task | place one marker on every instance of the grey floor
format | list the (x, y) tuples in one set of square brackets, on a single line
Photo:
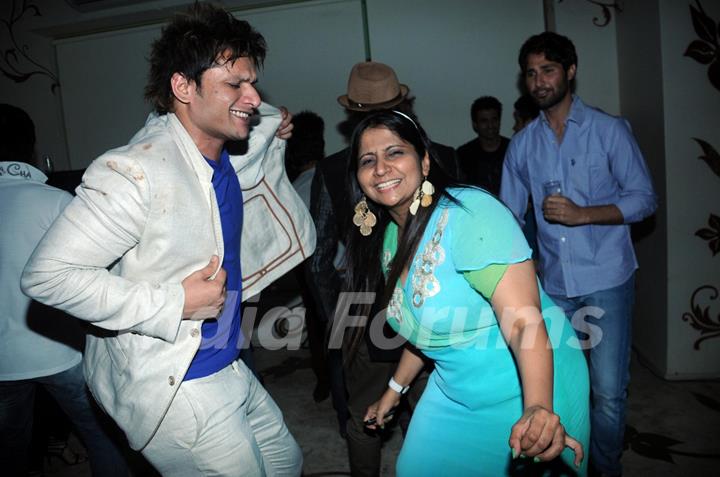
[(673, 427)]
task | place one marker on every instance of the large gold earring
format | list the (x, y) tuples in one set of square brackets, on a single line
[(364, 218), (423, 196)]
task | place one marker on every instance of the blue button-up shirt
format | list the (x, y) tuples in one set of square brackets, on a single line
[(598, 162)]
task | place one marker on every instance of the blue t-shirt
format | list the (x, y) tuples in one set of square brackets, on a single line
[(222, 338)]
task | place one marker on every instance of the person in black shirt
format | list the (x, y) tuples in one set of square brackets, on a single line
[(481, 159)]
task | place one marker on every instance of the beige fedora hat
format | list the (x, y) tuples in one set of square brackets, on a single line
[(372, 85)]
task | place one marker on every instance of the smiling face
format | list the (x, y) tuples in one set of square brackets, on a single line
[(220, 109), (390, 171), (487, 124), (547, 82)]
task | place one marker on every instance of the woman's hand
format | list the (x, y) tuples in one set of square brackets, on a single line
[(389, 400), (539, 434)]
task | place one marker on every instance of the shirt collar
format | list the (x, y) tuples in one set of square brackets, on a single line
[(222, 169), (222, 162), (576, 114), (21, 170), (577, 111)]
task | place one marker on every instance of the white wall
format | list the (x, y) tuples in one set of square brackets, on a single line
[(454, 51), (451, 52), (692, 109), (104, 74), (102, 79), (597, 76), (670, 100), (312, 48), (35, 35), (638, 34), (448, 52), (34, 95)]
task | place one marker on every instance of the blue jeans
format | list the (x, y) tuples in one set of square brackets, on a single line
[(609, 363), (68, 389)]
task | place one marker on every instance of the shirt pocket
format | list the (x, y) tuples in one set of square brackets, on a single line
[(593, 179)]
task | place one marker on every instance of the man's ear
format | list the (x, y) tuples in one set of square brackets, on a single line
[(571, 72), (182, 89)]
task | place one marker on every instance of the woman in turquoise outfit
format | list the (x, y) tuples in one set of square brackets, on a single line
[(509, 394)]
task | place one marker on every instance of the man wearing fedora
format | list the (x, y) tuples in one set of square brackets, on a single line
[(372, 86)]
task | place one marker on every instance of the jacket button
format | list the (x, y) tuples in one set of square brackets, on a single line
[(171, 380), (194, 332)]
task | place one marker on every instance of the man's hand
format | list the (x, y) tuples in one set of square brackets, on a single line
[(204, 297), (286, 126), (561, 210)]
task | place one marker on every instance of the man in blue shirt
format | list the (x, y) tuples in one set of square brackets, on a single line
[(588, 181)]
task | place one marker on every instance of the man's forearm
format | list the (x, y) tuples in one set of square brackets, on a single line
[(564, 211), (602, 215)]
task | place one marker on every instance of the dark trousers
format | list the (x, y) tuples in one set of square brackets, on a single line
[(68, 389), (326, 363), (366, 381)]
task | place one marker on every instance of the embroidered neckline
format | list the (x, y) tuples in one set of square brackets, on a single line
[(424, 282)]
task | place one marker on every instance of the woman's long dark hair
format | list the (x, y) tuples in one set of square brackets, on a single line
[(363, 254)]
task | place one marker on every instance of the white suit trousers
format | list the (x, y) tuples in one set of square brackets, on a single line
[(225, 424)]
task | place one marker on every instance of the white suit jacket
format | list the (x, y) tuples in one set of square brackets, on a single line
[(144, 218)]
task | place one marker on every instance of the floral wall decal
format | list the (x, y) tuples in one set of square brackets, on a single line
[(660, 447), (15, 61), (711, 234), (607, 14), (706, 50), (700, 318), (711, 156)]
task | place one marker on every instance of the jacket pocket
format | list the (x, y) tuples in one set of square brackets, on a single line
[(117, 355)]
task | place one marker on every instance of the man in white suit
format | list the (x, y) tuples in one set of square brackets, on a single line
[(164, 237)]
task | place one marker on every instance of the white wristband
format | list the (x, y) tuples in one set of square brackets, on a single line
[(396, 387)]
